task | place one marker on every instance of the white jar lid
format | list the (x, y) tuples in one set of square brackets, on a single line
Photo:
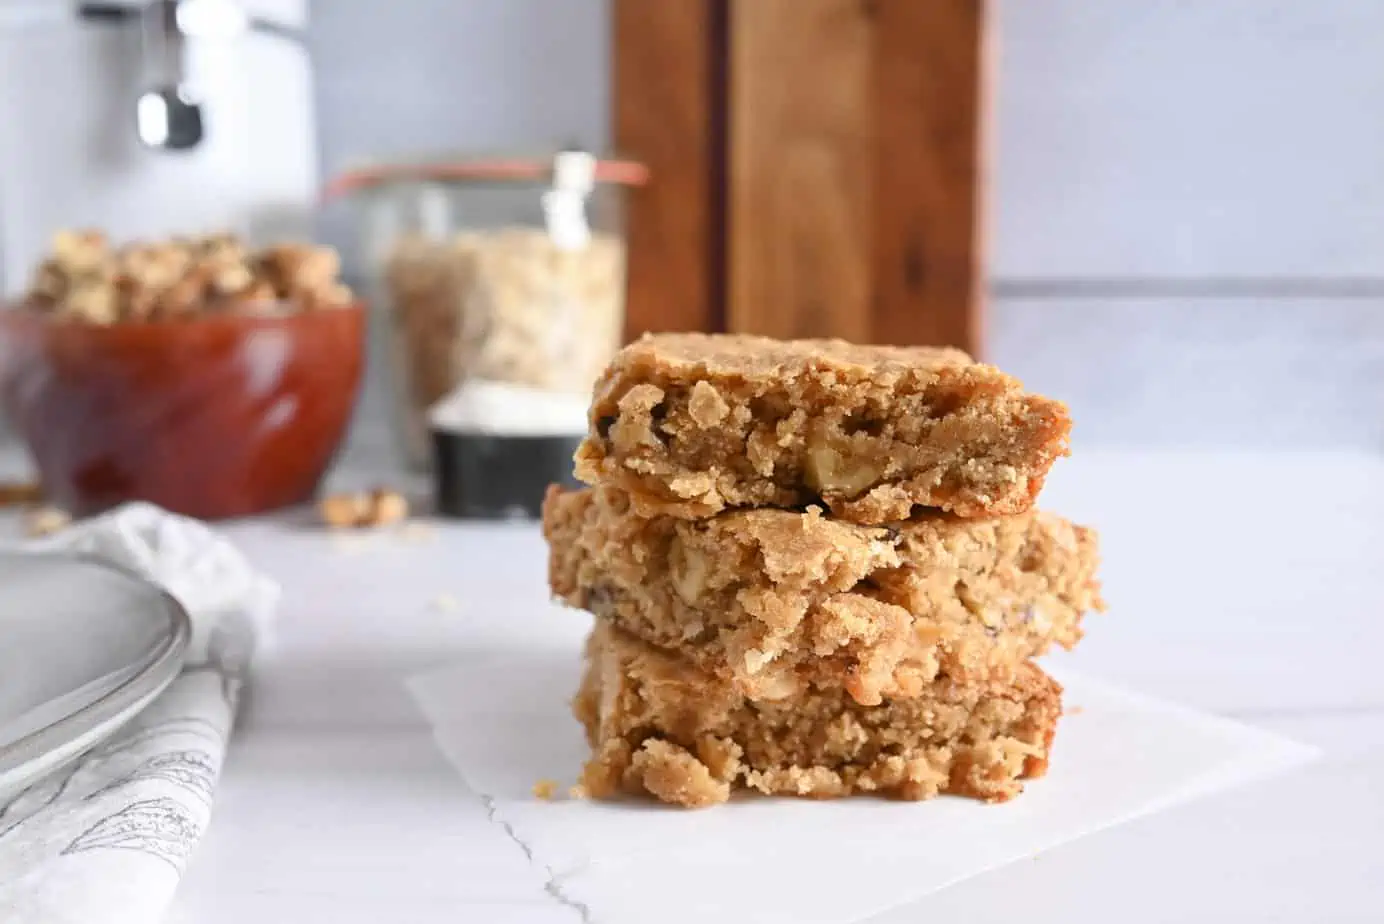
[(505, 409)]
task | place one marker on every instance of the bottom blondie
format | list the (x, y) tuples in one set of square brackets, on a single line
[(659, 726)]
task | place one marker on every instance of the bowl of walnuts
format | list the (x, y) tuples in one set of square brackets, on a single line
[(199, 374)]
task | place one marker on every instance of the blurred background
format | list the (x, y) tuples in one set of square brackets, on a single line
[(1185, 200), (1181, 205)]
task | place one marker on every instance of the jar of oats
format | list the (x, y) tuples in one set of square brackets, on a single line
[(503, 275)]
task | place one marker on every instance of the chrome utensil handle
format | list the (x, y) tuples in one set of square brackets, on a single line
[(162, 44), (167, 117), (124, 13)]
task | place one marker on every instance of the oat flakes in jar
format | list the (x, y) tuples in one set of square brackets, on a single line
[(503, 289)]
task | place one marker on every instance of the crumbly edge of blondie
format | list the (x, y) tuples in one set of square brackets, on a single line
[(692, 424), (775, 602), (657, 726)]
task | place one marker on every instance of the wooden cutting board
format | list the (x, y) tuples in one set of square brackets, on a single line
[(817, 166)]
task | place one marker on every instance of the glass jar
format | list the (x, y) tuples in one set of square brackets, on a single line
[(501, 285)]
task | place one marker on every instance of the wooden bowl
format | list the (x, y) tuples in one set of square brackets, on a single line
[(215, 416)]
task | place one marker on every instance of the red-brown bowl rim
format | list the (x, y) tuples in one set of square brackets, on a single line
[(197, 321)]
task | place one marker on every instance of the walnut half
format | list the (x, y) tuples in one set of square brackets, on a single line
[(688, 569), (828, 472)]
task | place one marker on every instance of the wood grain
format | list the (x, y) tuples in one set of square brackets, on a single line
[(817, 166), (856, 170), (928, 172), (669, 113), (799, 208)]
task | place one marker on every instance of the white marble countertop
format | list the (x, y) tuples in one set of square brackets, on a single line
[(1251, 585)]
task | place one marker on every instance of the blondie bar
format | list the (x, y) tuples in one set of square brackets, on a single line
[(659, 726), (692, 424), (773, 602)]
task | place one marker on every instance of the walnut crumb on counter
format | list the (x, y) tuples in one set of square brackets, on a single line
[(45, 521), (360, 509), (387, 507), (342, 511)]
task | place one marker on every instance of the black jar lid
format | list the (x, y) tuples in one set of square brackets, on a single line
[(488, 476)]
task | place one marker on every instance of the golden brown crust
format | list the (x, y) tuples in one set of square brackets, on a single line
[(660, 727), (693, 424), (774, 602)]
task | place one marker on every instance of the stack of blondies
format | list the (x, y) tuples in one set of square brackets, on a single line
[(816, 570)]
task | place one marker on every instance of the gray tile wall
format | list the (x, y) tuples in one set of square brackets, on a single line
[(406, 77), (1188, 196), (1261, 373)]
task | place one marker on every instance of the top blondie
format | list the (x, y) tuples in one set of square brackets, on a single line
[(693, 424)]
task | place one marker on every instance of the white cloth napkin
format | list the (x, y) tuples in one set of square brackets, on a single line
[(503, 722), (104, 840)]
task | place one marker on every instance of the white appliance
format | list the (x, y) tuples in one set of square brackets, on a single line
[(72, 77)]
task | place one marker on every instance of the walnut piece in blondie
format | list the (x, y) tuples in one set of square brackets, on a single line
[(692, 424), (658, 726), (773, 602)]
